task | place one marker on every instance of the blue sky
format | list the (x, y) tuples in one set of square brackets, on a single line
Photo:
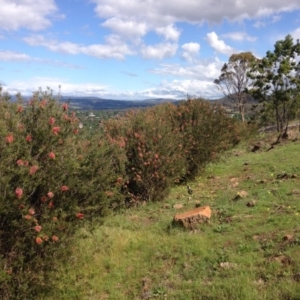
[(134, 49)]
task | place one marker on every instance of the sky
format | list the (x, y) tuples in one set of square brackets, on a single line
[(134, 49)]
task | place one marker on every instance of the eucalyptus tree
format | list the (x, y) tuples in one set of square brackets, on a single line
[(277, 81), (233, 80)]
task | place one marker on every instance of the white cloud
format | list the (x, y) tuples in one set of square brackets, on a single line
[(30, 14), (67, 88), (176, 89), (13, 56), (296, 34), (159, 51), (190, 51), (114, 49), (169, 32), (199, 70), (22, 57), (218, 44), (239, 36), (166, 12), (128, 29), (259, 24)]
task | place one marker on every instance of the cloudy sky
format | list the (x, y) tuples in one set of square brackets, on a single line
[(134, 49)]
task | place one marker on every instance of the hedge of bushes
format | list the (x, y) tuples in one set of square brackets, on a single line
[(53, 178)]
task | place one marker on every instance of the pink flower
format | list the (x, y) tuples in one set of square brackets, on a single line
[(65, 106), (51, 121), (31, 211), (51, 204), (50, 195), (26, 163), (20, 162), (43, 103), (9, 139), (44, 199), (28, 217), (64, 188), (80, 215), (33, 169), (54, 238), (38, 228), (38, 240), (19, 193), (56, 130), (28, 138), (51, 155), (20, 108)]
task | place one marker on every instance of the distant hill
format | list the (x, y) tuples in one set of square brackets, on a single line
[(101, 104), (95, 103)]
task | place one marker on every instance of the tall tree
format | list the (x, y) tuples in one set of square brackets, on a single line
[(277, 81), (233, 80)]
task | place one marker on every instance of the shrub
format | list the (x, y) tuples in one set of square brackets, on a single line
[(206, 131), (51, 180), (152, 153)]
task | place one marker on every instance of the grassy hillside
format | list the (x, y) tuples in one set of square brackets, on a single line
[(250, 249)]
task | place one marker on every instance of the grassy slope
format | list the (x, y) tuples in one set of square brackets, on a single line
[(140, 255)]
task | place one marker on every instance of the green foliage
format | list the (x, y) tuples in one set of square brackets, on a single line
[(51, 179), (277, 83), (206, 131), (233, 80), (54, 175), (167, 143)]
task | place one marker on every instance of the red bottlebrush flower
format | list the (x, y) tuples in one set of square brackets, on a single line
[(65, 106), (51, 155), (33, 170), (20, 162), (109, 194), (9, 139), (38, 228), (80, 215), (64, 188), (28, 217), (56, 130), (43, 103), (38, 240), (51, 121), (20, 127), (19, 193), (44, 199), (28, 138), (20, 108), (31, 211), (50, 195), (55, 238)]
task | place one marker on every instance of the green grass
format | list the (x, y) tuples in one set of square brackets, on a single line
[(140, 254)]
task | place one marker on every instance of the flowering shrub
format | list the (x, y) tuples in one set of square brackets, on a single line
[(167, 143), (51, 180), (206, 131)]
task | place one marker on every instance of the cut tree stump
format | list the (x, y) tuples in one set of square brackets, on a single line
[(191, 218)]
